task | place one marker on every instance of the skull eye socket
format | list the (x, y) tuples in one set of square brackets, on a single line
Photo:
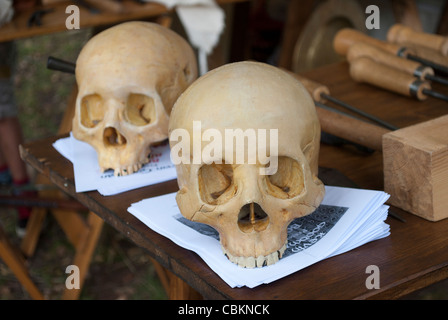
[(92, 110), (140, 109), (216, 183), (288, 181)]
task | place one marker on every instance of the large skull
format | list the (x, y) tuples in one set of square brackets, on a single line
[(250, 210), (129, 77)]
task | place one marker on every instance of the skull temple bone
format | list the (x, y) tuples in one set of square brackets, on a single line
[(129, 77), (251, 211)]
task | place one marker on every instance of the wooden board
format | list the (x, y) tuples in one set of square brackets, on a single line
[(54, 21), (416, 168)]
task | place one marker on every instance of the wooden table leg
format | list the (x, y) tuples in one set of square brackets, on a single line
[(33, 229), (37, 217), (84, 252), (179, 289), (15, 261)]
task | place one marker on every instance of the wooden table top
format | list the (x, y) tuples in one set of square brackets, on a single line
[(415, 255)]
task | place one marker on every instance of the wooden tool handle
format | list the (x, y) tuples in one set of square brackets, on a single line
[(347, 37), (361, 49), (315, 89), (366, 70), (351, 129), (400, 34), (107, 5), (426, 53)]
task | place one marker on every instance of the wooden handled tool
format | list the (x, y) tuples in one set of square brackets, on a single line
[(400, 34), (347, 37), (60, 65), (361, 49), (107, 5), (366, 70), (315, 89), (320, 93), (351, 129)]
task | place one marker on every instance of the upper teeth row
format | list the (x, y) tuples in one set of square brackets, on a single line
[(256, 262), (127, 170)]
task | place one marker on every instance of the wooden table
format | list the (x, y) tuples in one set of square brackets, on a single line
[(415, 255)]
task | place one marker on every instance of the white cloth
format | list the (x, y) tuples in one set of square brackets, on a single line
[(203, 21), (6, 11)]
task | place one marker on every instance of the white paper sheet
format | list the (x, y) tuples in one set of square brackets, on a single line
[(346, 219), (88, 175)]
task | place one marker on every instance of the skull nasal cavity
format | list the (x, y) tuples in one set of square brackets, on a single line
[(252, 218), (112, 137)]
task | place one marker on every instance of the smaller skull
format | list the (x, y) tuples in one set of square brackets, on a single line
[(251, 211), (129, 77)]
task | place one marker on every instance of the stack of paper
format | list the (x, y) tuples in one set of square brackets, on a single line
[(346, 219), (88, 175)]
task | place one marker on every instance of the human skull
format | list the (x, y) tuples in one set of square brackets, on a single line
[(249, 209), (129, 77)]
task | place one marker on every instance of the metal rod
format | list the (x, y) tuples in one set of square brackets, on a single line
[(360, 112), (436, 79), (435, 94), (60, 65), (396, 216), (435, 66)]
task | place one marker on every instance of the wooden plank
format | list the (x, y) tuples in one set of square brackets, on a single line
[(55, 21)]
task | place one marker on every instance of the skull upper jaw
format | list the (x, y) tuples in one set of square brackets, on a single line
[(246, 245), (121, 145)]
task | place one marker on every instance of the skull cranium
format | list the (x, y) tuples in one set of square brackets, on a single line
[(251, 211), (129, 77)]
